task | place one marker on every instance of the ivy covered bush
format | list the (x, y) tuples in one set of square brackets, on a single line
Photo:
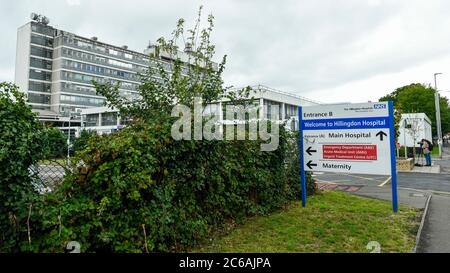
[(142, 191)]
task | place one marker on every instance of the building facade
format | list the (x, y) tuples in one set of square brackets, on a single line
[(57, 68)]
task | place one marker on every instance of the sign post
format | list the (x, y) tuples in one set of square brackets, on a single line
[(302, 170), (348, 138), (393, 162)]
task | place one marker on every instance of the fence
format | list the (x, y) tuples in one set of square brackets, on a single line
[(46, 174)]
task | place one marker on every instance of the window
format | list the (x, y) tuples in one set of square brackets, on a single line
[(38, 98), (41, 52), (121, 64), (291, 111), (128, 56), (100, 48), (39, 86), (40, 75), (109, 119), (113, 52), (92, 120), (41, 40), (39, 63), (83, 44), (43, 29), (82, 100), (268, 105)]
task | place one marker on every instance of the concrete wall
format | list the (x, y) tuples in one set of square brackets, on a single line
[(23, 57)]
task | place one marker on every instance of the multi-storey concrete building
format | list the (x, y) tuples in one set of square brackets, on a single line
[(56, 69)]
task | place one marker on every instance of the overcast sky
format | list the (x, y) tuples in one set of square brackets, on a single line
[(327, 50)]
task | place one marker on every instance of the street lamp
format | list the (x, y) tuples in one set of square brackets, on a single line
[(68, 139), (438, 114)]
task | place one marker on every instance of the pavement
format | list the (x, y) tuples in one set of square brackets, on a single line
[(413, 190), (435, 237)]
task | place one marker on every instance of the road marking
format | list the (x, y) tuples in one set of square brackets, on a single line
[(385, 182), (327, 182), (334, 181), (361, 177), (426, 191)]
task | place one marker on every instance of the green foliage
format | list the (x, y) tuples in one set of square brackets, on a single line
[(418, 98), (178, 190), (139, 190), (54, 142), (20, 148), (80, 143)]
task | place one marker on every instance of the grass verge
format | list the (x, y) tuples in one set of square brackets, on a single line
[(332, 222)]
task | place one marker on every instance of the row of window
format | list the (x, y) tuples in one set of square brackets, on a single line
[(40, 107), (99, 70), (38, 98), (108, 119), (39, 28), (102, 49), (78, 88), (37, 74), (39, 86), (41, 40), (94, 58), (64, 110), (41, 52), (88, 80), (82, 100), (40, 63)]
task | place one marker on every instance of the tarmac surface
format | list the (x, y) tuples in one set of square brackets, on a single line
[(413, 190)]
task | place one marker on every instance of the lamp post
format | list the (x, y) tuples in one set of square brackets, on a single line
[(68, 140), (438, 114)]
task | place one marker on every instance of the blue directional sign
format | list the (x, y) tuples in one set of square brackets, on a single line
[(348, 138)]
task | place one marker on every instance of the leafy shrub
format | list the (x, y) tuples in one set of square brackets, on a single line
[(178, 191), (20, 147), (80, 143), (54, 143)]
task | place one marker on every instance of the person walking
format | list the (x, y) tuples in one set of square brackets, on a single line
[(426, 151)]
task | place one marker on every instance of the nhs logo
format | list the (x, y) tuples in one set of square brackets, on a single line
[(379, 106)]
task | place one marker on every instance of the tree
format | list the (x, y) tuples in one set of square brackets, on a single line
[(20, 148), (419, 98), (54, 143), (80, 143)]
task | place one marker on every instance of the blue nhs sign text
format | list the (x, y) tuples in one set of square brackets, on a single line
[(379, 106)]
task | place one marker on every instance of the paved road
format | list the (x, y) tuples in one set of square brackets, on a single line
[(413, 190), (419, 181)]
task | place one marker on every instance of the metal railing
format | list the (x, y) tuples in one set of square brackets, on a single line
[(263, 87)]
